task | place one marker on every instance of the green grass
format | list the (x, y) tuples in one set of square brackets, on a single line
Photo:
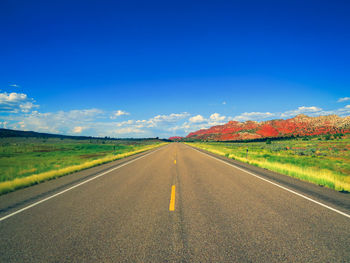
[(323, 162), (27, 161)]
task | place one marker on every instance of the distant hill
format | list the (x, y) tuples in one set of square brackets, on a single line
[(16, 133), (301, 125), (175, 138)]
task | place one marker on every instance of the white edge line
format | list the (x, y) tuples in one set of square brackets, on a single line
[(280, 186), (75, 186)]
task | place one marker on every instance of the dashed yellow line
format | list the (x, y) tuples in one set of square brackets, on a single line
[(174, 161), (172, 199)]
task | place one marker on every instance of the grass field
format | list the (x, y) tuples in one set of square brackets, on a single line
[(317, 160), (28, 161)]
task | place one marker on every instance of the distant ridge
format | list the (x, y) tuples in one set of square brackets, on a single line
[(300, 125), (175, 138), (17, 133)]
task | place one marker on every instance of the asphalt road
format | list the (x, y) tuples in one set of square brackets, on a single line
[(220, 214)]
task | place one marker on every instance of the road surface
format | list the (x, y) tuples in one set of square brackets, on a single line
[(174, 204)]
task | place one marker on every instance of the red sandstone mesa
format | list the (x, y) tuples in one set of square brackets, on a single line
[(301, 125)]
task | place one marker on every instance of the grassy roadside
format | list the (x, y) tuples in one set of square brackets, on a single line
[(26, 162), (326, 163)]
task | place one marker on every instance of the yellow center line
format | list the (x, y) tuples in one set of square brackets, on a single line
[(172, 199), (174, 161)]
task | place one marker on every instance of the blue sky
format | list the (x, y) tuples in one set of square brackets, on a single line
[(164, 68)]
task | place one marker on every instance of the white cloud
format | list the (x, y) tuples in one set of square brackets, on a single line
[(123, 123), (224, 102), (216, 117), (128, 131), (246, 116), (198, 122), (20, 112), (310, 111), (65, 122), (92, 122), (197, 119), (12, 97), (27, 106), (78, 114), (3, 124), (119, 113), (340, 112), (78, 129), (16, 102), (259, 116), (165, 120), (14, 85), (158, 125), (344, 99), (170, 118), (302, 110)]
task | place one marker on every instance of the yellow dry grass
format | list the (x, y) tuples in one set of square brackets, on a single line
[(33, 170), (18, 183), (322, 177)]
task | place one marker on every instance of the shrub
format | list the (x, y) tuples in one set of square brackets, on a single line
[(327, 137)]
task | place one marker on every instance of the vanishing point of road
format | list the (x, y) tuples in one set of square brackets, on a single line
[(175, 204)]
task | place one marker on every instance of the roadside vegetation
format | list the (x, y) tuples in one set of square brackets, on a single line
[(323, 160), (28, 161)]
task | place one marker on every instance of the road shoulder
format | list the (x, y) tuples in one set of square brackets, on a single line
[(18, 199), (328, 196)]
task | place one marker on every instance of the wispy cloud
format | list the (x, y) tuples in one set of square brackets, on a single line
[(213, 119), (119, 113), (94, 122), (301, 110), (197, 119), (78, 129), (159, 125), (345, 111), (14, 85), (344, 99), (3, 124), (16, 102), (128, 131), (166, 120), (217, 118), (307, 110), (198, 122), (18, 111), (67, 122), (253, 116)]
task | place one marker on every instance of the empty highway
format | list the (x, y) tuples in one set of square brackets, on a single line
[(175, 204)]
